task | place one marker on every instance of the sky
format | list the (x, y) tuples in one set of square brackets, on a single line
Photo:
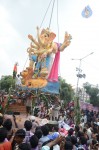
[(18, 18)]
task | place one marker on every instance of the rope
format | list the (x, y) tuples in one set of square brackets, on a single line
[(45, 14), (58, 35), (25, 63), (57, 22), (49, 22), (51, 14), (40, 26)]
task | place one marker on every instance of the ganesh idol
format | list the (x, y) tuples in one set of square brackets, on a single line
[(44, 54)]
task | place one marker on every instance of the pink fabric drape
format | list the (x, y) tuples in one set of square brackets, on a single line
[(53, 76)]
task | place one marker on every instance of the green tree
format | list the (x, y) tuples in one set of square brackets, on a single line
[(6, 82), (93, 93), (66, 91)]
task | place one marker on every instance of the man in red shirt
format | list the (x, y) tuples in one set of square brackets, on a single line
[(4, 144)]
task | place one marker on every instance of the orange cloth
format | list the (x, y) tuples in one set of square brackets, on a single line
[(5, 146)]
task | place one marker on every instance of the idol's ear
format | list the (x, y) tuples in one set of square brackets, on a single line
[(52, 36), (43, 31)]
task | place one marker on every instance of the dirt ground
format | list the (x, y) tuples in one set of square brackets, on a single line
[(20, 119)]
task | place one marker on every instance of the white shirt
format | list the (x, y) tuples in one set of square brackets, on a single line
[(55, 147), (18, 81), (89, 133)]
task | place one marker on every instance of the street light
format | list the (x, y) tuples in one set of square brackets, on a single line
[(79, 75), (79, 70)]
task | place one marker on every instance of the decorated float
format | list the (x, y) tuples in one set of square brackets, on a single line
[(40, 77)]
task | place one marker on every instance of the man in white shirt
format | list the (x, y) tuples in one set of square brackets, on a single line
[(18, 80)]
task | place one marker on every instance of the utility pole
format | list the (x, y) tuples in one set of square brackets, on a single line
[(76, 102)]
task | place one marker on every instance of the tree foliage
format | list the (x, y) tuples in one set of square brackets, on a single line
[(66, 91), (93, 93), (6, 82)]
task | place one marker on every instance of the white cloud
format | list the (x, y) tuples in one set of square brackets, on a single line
[(9, 38)]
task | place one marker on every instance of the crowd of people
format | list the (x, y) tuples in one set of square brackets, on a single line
[(60, 133)]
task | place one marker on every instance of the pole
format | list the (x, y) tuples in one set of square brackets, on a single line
[(79, 69), (78, 77), (76, 103)]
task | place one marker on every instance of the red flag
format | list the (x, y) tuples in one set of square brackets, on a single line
[(15, 70)]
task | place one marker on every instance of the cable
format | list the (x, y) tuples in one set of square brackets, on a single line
[(40, 26), (50, 19), (58, 34), (57, 22), (45, 14), (51, 14), (25, 63)]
